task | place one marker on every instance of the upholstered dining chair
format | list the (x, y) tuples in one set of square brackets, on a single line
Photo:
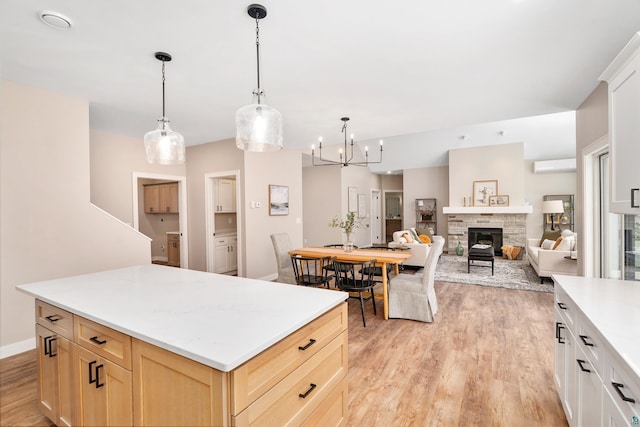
[(357, 277), (414, 297), (282, 246), (311, 271)]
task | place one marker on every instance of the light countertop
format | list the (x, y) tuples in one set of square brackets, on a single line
[(218, 320), (613, 307)]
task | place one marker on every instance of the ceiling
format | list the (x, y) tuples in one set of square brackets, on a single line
[(418, 73)]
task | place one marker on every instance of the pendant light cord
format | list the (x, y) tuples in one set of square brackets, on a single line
[(163, 116), (258, 90)]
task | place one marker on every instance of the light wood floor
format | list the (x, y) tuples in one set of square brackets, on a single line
[(487, 360)]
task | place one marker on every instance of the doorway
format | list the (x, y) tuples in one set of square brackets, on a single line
[(178, 226), (376, 217), (223, 223), (393, 208)]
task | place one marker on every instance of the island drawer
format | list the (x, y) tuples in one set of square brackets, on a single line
[(254, 378), (333, 409), (55, 319), (104, 341), (297, 396)]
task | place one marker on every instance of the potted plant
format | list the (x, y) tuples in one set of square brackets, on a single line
[(348, 225)]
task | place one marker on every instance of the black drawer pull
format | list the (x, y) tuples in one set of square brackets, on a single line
[(47, 346), (306, 393), (562, 306), (98, 385), (309, 344), (582, 368), (559, 327), (584, 340), (53, 318), (91, 379), (618, 386), (97, 341)]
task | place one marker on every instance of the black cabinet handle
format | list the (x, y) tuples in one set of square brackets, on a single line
[(91, 379), (582, 368), (97, 341), (53, 318), (559, 327), (98, 385), (309, 344), (618, 386), (635, 203), (584, 340), (562, 306), (47, 346), (306, 393)]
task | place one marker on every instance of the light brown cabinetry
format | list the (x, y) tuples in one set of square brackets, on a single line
[(54, 329), (300, 380), (173, 250), (161, 198)]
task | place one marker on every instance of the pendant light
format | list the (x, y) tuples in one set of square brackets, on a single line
[(259, 127), (164, 146)]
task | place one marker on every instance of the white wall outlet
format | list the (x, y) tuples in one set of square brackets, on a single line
[(258, 204)]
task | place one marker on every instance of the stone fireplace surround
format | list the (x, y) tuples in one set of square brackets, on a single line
[(514, 229)]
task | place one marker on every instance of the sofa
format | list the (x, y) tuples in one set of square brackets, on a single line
[(419, 250), (547, 261)]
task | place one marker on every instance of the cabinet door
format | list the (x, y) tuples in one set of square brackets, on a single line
[(226, 195), (233, 254), (612, 416), (560, 348), (624, 128), (571, 378), (169, 198), (589, 391), (151, 199), (171, 390), (103, 390), (222, 259), (173, 251)]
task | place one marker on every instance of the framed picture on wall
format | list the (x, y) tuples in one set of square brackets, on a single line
[(499, 201), (482, 190), (362, 206), (278, 200)]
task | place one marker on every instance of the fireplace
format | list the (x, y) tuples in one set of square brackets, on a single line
[(487, 236)]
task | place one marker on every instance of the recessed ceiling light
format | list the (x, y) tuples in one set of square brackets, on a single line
[(55, 19)]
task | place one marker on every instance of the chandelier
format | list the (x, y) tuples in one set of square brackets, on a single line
[(258, 126), (164, 146), (345, 160)]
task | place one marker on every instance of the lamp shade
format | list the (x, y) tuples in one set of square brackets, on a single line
[(552, 206), (164, 146), (258, 128)]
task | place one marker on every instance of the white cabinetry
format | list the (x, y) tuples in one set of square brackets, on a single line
[(623, 77), (595, 384), (225, 195), (226, 254)]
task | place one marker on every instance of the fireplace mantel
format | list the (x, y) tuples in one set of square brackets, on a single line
[(475, 210)]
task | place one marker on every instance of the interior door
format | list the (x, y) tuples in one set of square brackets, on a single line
[(376, 217)]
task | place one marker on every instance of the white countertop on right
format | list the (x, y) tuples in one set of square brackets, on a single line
[(613, 307)]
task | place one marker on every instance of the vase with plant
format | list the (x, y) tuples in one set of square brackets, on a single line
[(348, 225)]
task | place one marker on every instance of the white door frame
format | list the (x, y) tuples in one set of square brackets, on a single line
[(182, 208), (209, 214), (384, 210)]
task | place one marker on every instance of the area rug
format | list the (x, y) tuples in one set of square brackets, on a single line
[(511, 274)]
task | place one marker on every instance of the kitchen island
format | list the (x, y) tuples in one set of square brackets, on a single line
[(155, 345)]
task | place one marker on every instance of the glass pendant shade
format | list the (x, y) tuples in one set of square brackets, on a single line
[(164, 146), (258, 128)]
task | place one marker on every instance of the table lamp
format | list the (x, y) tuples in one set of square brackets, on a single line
[(552, 207)]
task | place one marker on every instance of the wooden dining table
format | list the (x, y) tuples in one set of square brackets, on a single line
[(382, 257)]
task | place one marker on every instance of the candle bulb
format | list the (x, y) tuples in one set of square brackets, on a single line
[(366, 149), (351, 137)]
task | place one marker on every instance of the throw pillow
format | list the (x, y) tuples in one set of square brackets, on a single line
[(566, 244), (414, 235), (547, 244), (424, 238), (555, 245), (549, 235), (427, 232)]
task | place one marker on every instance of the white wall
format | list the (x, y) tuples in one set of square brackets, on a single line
[(280, 168), (363, 181), (426, 183), (49, 227), (494, 162), (322, 200)]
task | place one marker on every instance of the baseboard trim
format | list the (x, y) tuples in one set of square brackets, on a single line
[(17, 348)]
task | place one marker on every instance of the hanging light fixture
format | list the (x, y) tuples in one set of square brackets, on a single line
[(164, 146), (259, 127), (344, 161)]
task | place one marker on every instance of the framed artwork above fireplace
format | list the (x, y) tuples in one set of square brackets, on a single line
[(483, 190)]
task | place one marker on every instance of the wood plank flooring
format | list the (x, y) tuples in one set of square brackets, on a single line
[(487, 360)]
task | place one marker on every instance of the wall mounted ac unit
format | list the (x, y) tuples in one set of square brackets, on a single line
[(560, 165)]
